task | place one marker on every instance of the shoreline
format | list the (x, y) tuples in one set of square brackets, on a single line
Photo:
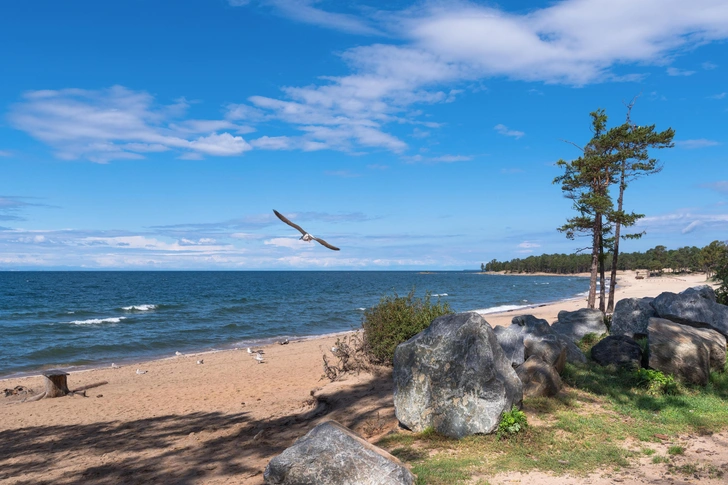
[(216, 423), (261, 342)]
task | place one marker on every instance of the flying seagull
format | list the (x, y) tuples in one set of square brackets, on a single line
[(306, 236)]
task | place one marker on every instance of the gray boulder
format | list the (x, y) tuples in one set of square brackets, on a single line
[(331, 454), (618, 350), (455, 377), (528, 324), (692, 307), (548, 348), (539, 378), (716, 343), (511, 341), (631, 317), (683, 351), (575, 325), (703, 291), (574, 355), (538, 327)]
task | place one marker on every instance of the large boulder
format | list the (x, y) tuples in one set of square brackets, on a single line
[(574, 355), (511, 341), (684, 351), (716, 343), (618, 350), (693, 307), (529, 324), (331, 454), (631, 317), (539, 378), (548, 348), (575, 325), (454, 377), (704, 291)]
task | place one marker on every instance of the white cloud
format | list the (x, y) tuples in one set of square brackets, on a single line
[(708, 66), (287, 242), (684, 222), (697, 143), (238, 3), (303, 11), (718, 96), (118, 123), (674, 71), (529, 245), (503, 130), (5, 153)]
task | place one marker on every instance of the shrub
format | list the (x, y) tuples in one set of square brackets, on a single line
[(350, 357), (588, 341), (676, 450), (721, 275), (656, 382), (512, 422), (397, 319)]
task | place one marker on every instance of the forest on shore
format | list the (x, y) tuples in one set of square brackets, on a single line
[(657, 259)]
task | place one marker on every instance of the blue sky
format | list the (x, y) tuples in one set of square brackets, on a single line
[(160, 135)]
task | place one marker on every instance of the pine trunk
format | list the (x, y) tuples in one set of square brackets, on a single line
[(591, 300), (617, 227), (601, 265)]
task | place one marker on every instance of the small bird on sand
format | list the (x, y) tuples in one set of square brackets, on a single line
[(306, 236), (283, 342), (139, 371), (200, 361), (259, 358), (178, 353), (257, 351)]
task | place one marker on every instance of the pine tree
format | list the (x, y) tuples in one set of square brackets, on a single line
[(633, 143), (586, 182)]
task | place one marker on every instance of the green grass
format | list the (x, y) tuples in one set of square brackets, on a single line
[(676, 450), (579, 431)]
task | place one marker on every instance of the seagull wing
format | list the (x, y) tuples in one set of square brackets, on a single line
[(284, 219), (324, 243)]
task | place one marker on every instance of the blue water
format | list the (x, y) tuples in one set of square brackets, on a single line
[(68, 319)]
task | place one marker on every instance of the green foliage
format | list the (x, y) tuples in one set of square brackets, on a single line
[(676, 450), (721, 275), (660, 459), (656, 382), (512, 423), (648, 451), (588, 341), (395, 320), (685, 259)]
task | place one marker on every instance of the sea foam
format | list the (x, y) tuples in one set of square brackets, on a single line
[(501, 308), (139, 308), (92, 321)]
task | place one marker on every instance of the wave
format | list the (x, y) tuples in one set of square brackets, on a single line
[(92, 321), (501, 308), (439, 294), (361, 309), (139, 308)]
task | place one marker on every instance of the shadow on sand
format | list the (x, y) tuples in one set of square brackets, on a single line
[(192, 448)]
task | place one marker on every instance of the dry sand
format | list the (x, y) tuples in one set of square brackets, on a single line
[(223, 420)]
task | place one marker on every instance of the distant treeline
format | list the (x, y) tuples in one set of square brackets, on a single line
[(659, 258)]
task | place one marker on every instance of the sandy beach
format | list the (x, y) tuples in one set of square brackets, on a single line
[(216, 422)]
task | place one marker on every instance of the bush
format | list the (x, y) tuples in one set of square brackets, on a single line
[(656, 382), (721, 275), (397, 319), (512, 422)]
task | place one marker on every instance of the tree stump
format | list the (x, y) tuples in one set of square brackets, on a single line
[(55, 383)]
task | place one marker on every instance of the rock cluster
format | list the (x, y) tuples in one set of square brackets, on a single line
[(686, 332)]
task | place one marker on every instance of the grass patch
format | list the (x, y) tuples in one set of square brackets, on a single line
[(676, 450), (579, 431)]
